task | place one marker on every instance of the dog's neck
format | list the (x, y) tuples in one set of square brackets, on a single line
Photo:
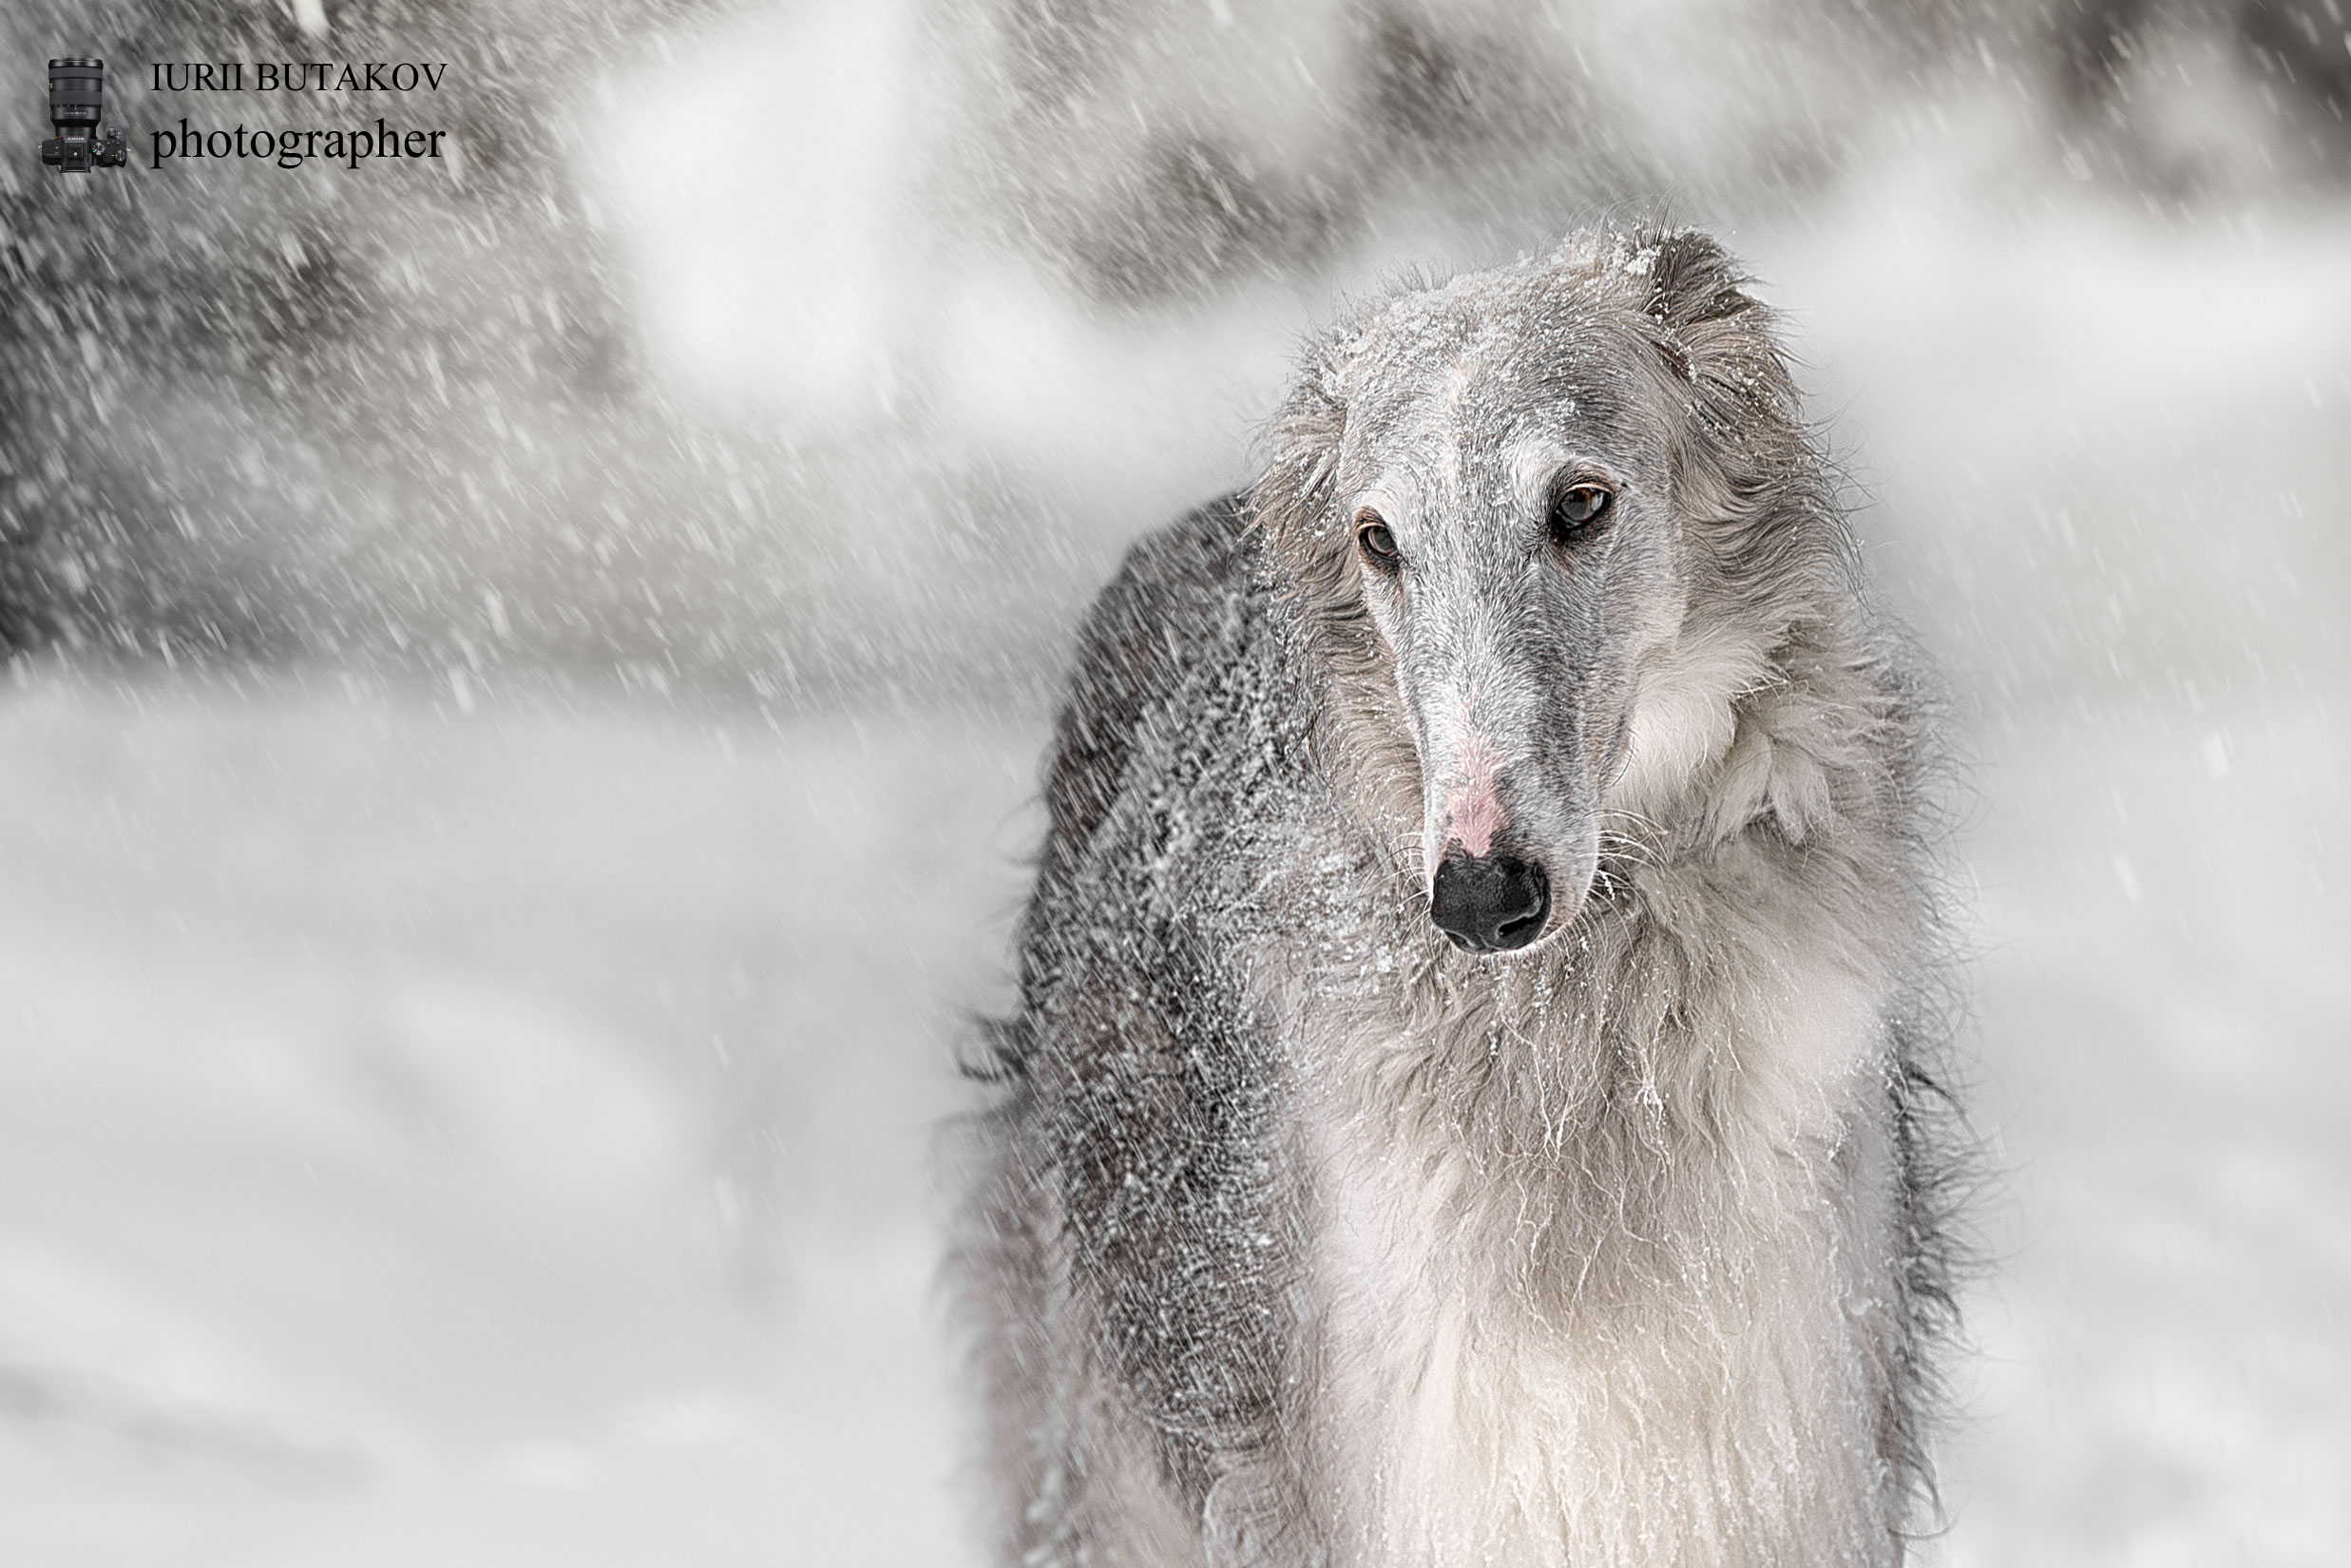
[(1755, 853)]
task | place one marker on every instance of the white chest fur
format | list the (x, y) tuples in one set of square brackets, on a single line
[(1516, 1365)]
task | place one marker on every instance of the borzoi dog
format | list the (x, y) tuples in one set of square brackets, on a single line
[(1465, 1104)]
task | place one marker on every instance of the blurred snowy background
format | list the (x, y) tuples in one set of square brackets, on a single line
[(528, 675)]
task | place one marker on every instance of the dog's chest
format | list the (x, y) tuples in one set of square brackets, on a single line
[(1448, 1406), (1475, 1408)]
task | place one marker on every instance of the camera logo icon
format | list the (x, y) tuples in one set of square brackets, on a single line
[(77, 88)]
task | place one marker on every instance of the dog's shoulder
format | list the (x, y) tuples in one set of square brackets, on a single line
[(1158, 619)]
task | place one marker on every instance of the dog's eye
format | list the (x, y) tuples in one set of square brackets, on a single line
[(1575, 509), (1378, 544)]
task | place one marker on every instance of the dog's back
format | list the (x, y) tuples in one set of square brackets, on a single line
[(1125, 1309), (1305, 1237)]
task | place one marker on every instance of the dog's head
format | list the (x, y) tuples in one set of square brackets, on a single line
[(1501, 500)]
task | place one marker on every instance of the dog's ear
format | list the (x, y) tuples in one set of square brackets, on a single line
[(1718, 341), (1294, 491), (1742, 459), (1693, 280), (1295, 501)]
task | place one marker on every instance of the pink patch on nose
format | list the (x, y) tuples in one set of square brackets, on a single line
[(1473, 812)]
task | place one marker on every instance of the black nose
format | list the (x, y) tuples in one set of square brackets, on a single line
[(1490, 905)]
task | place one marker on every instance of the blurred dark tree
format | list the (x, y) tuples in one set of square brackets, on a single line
[(325, 411), (180, 348)]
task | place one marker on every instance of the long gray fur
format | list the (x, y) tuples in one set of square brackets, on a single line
[(1301, 1236)]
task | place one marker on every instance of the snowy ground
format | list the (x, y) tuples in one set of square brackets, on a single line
[(383, 1179), (434, 1134), (494, 1139), (2164, 1004)]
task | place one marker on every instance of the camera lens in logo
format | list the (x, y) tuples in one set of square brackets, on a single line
[(77, 95)]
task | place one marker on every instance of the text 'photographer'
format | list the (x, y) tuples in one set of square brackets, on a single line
[(291, 149)]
